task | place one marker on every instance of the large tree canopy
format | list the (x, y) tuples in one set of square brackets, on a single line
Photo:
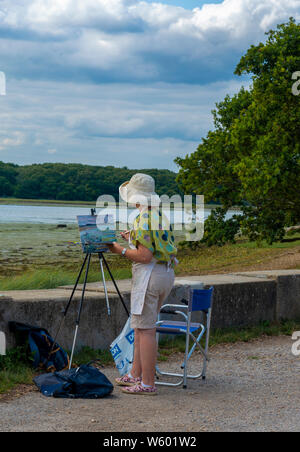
[(252, 157)]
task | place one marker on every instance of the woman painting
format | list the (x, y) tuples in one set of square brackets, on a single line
[(152, 251)]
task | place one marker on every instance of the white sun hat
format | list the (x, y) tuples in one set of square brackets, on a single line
[(140, 190)]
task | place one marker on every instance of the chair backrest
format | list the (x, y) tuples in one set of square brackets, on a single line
[(200, 299)]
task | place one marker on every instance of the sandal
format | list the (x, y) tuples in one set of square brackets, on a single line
[(138, 389), (127, 381)]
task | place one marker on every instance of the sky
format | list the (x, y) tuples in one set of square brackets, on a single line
[(187, 4), (121, 82)]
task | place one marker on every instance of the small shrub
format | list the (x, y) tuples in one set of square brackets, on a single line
[(217, 230)]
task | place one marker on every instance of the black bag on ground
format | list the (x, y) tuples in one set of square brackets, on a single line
[(46, 354), (84, 382)]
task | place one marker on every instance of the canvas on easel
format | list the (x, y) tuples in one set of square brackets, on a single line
[(96, 232)]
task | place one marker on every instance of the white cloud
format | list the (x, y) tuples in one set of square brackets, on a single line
[(2, 84), (12, 139), (120, 124), (236, 14), (136, 40), (54, 16), (121, 82)]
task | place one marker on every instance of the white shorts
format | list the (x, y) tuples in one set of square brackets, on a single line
[(159, 287)]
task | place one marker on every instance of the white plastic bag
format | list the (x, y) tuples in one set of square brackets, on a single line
[(122, 349)]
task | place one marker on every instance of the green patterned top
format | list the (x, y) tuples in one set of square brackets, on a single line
[(152, 230)]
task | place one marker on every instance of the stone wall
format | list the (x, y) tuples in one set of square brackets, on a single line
[(240, 300)]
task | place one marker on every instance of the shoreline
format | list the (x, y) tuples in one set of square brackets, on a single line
[(43, 202), (57, 203)]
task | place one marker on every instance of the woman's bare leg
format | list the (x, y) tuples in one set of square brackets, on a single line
[(136, 370), (148, 355)]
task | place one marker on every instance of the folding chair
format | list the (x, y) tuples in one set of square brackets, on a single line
[(199, 300)]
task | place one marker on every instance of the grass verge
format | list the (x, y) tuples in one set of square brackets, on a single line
[(50, 279), (15, 367), (240, 256)]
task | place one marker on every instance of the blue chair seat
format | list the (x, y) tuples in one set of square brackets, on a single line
[(173, 327)]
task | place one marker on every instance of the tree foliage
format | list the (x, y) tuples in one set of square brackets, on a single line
[(8, 174), (74, 181), (218, 230), (252, 157)]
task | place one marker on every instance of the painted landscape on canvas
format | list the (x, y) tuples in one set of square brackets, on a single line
[(96, 232)]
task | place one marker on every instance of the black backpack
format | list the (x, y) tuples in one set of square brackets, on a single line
[(46, 355), (85, 382)]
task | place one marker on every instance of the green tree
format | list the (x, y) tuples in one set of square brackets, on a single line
[(252, 158), (8, 174), (73, 182)]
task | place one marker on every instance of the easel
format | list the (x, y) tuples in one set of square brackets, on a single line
[(86, 262)]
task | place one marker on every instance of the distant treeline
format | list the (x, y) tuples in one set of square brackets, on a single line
[(71, 182)]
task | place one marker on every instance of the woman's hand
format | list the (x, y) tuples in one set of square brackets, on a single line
[(115, 247), (125, 235), (141, 254)]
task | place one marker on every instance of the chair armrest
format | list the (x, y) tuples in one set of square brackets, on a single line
[(167, 311), (172, 309), (175, 306), (182, 314)]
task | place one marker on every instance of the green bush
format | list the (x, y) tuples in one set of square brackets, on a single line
[(219, 231)]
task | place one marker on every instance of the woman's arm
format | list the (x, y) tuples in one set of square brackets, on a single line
[(140, 255)]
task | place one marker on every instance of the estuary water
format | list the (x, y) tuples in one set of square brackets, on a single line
[(61, 214)]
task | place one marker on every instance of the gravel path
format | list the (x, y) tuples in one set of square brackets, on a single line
[(250, 387)]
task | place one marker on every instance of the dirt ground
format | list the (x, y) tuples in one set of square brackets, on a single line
[(288, 259), (250, 387), (285, 259)]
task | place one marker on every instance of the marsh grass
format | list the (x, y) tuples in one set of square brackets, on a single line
[(44, 202), (44, 257)]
